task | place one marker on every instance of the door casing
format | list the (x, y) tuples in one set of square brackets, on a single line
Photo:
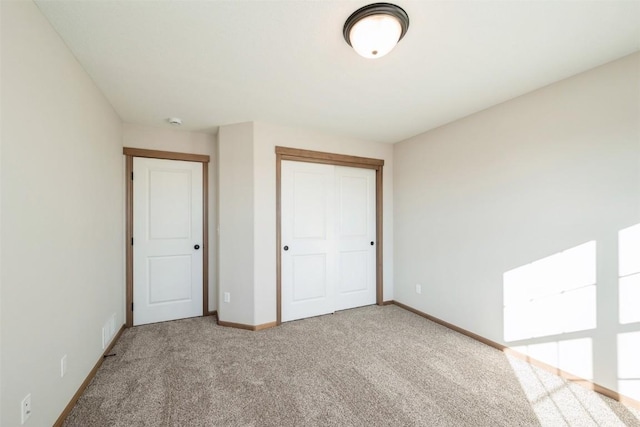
[(298, 155), (129, 154)]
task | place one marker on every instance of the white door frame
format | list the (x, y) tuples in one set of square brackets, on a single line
[(129, 154), (298, 155)]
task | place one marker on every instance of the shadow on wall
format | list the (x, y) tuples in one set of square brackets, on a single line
[(550, 311)]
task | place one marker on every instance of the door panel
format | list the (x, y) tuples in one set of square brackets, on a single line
[(309, 198), (171, 279), (353, 203), (307, 265), (353, 272), (309, 286), (167, 224), (170, 203), (355, 231)]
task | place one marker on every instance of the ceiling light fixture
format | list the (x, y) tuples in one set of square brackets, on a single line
[(175, 121), (374, 30)]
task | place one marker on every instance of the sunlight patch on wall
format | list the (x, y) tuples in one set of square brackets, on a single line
[(551, 296), (629, 364), (629, 272)]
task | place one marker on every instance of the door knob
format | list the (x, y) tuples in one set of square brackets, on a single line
[(286, 248), (371, 243), (196, 247)]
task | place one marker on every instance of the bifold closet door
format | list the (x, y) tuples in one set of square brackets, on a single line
[(328, 238)]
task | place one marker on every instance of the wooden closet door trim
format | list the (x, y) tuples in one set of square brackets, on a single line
[(129, 154), (299, 155)]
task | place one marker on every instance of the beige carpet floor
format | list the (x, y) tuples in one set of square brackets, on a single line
[(372, 366)]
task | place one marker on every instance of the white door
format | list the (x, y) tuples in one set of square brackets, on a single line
[(308, 259), (355, 225), (167, 240), (327, 226)]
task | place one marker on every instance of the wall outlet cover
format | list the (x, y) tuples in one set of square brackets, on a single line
[(25, 408), (63, 366)]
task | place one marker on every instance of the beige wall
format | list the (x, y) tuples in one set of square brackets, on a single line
[(515, 184), (169, 139), (61, 227), (255, 157), (166, 139), (236, 213)]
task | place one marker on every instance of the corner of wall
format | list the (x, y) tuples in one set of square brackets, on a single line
[(236, 222)]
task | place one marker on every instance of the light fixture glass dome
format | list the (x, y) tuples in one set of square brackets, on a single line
[(375, 35), (374, 30)]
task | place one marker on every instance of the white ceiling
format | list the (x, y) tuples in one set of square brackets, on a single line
[(213, 63)]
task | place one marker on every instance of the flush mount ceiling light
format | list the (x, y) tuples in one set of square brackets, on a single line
[(374, 30)]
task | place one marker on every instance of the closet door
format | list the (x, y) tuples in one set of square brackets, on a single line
[(308, 256), (355, 225), (328, 239)]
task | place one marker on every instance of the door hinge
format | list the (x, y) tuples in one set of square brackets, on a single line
[(131, 306), (132, 241), (131, 176)]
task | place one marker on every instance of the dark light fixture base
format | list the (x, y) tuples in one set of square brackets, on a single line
[(376, 9)]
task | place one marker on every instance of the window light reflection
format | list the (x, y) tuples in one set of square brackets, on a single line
[(554, 295)]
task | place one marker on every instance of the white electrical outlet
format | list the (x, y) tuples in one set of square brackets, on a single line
[(63, 366), (227, 297), (418, 288), (25, 408)]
